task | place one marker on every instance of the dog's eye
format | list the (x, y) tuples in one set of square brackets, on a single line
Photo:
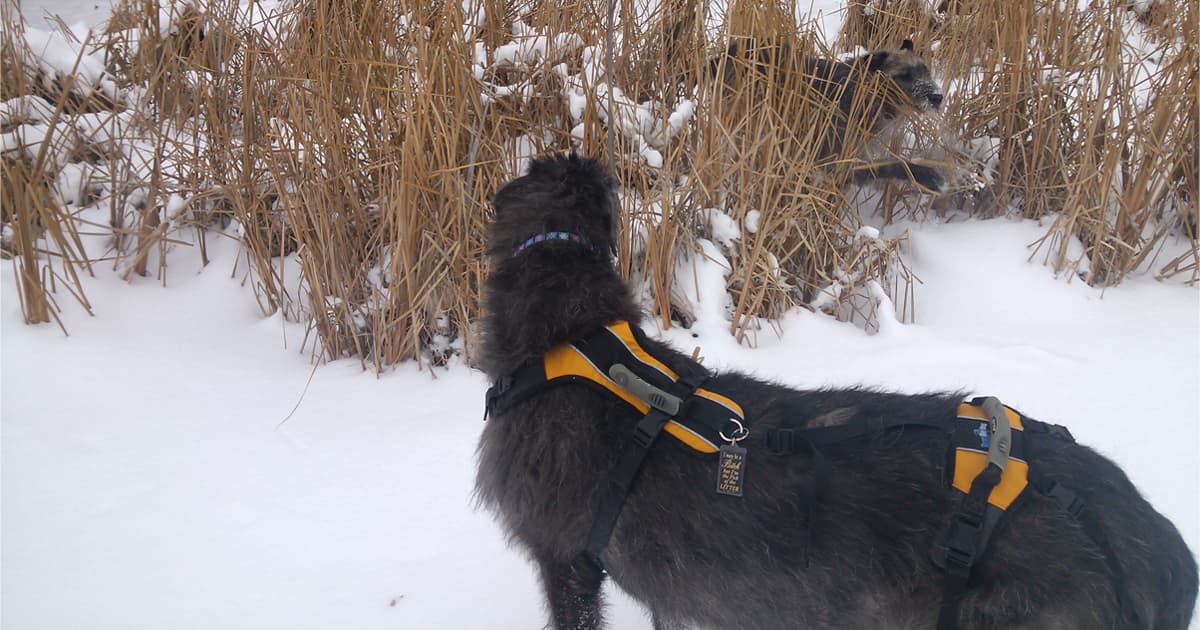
[(907, 75)]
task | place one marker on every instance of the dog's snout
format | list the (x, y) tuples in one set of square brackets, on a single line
[(935, 99)]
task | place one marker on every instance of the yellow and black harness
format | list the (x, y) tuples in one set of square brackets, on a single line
[(991, 446), (615, 361)]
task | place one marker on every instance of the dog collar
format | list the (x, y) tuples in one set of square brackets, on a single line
[(552, 236)]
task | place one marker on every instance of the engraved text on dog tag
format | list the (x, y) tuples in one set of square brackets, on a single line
[(731, 470)]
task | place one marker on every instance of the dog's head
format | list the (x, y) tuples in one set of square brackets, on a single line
[(560, 194), (910, 72)]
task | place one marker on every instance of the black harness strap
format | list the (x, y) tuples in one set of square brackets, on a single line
[(514, 388), (1071, 503), (965, 542), (620, 480), (813, 492), (707, 414), (789, 440)]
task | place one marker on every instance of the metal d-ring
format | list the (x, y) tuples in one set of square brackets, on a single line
[(738, 435)]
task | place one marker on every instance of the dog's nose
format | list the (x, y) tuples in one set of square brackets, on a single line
[(935, 100)]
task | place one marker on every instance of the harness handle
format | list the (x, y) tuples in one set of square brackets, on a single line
[(1001, 444), (647, 393)]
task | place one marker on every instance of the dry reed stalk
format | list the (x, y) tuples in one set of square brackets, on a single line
[(354, 146), (368, 139), (45, 241), (1076, 140), (25, 192), (764, 138)]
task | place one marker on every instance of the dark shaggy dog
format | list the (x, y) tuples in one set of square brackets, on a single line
[(856, 556), (905, 86)]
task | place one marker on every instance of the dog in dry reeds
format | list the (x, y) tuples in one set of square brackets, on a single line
[(856, 553), (872, 90)]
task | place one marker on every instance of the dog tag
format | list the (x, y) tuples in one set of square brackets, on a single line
[(731, 470)]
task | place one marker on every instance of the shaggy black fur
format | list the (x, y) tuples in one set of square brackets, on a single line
[(695, 558)]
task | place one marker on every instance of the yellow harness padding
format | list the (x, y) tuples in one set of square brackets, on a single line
[(970, 436), (969, 462), (567, 360)]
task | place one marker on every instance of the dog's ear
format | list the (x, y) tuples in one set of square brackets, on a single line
[(876, 59), (907, 45)]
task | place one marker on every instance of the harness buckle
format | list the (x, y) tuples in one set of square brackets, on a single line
[(498, 389), (1056, 431), (781, 441), (1065, 497), (648, 428), (1059, 431), (963, 542)]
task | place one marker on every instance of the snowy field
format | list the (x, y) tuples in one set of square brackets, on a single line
[(154, 474), (148, 481)]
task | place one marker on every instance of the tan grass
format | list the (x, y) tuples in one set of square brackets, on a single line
[(1075, 142), (355, 147), (45, 242)]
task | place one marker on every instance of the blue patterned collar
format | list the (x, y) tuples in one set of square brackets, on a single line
[(552, 236)]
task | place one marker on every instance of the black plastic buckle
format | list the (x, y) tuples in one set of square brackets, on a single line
[(781, 441), (962, 542), (648, 428), (1056, 431), (1060, 432), (498, 389), (1065, 497)]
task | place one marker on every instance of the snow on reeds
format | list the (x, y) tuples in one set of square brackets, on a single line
[(352, 148)]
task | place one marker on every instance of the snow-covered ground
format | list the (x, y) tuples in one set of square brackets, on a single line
[(84, 13), (149, 480)]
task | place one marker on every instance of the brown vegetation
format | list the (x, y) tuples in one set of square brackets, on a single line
[(356, 146)]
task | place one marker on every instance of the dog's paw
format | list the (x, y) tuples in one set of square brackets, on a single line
[(962, 179), (967, 192)]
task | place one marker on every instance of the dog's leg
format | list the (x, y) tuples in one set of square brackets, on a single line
[(573, 592), (925, 176)]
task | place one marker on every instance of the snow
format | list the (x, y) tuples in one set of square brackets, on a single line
[(723, 227), (529, 50), (78, 14), (24, 141), (62, 56), (71, 184), (178, 461), (752, 219), (700, 285), (25, 109), (151, 480)]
